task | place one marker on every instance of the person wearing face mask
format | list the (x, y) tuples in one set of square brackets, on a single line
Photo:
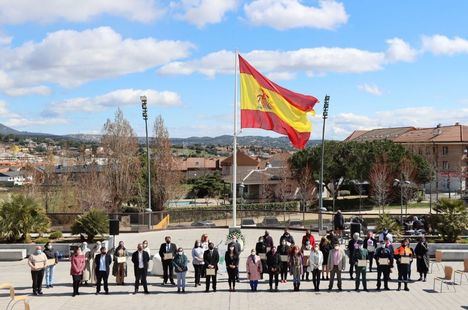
[(167, 252), (254, 270), (77, 266), (119, 268), (306, 252), (316, 262), (211, 259), (295, 266), (403, 257), (287, 237), (237, 245), (370, 244), (52, 255), (92, 255), (232, 265), (88, 263), (37, 262), (140, 260), (180, 267), (197, 261), (261, 250), (308, 237), (102, 263), (385, 234), (274, 267), (352, 246), (325, 248), (384, 258), (360, 257), (283, 251), (147, 250), (336, 264), (422, 258)]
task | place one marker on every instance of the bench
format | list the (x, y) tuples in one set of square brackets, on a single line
[(453, 255), (12, 254)]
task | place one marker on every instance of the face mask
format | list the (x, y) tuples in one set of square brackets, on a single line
[(337, 247), (231, 249), (145, 245), (181, 252), (49, 247), (38, 252), (252, 253)]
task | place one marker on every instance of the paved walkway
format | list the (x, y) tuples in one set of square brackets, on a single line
[(421, 295)]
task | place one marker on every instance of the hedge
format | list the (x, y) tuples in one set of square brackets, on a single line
[(348, 204)]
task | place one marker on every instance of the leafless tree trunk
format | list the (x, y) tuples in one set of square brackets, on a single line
[(380, 180), (122, 171), (166, 180)]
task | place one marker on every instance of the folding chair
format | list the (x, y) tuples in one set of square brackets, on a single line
[(13, 298), (447, 279), (437, 261), (463, 272)]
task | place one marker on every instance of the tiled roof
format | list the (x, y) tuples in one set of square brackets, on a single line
[(380, 134), (242, 160)]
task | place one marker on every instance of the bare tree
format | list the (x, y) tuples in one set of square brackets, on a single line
[(166, 180), (92, 191), (380, 180), (122, 171), (407, 184)]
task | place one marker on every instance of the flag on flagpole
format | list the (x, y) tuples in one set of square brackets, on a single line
[(266, 105)]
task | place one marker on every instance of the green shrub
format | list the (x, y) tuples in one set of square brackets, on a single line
[(41, 240), (452, 220), (55, 235), (20, 216), (94, 222)]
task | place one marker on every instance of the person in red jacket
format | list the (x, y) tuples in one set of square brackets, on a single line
[(77, 267), (308, 236)]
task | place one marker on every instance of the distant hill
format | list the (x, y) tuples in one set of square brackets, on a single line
[(261, 141)]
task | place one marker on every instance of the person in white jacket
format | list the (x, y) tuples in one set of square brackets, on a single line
[(315, 267)]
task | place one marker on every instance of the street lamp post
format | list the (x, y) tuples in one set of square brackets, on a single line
[(144, 102), (401, 183), (325, 116)]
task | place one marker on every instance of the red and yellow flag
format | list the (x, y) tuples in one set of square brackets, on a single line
[(266, 105)]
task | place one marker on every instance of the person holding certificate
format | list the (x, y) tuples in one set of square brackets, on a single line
[(211, 258), (261, 250), (422, 258), (336, 264), (308, 237), (403, 257), (274, 267), (306, 251), (140, 260), (254, 270), (232, 265), (283, 251), (287, 237), (37, 262), (316, 262), (52, 260), (167, 252), (384, 258), (370, 244), (360, 256), (77, 266), (295, 266), (119, 269)]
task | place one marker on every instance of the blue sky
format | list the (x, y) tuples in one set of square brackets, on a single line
[(66, 66)]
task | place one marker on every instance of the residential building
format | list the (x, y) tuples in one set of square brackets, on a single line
[(14, 177), (444, 147), (194, 167)]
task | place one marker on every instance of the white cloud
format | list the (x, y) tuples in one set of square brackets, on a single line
[(120, 97), (288, 14), (203, 12), (4, 39), (311, 60), (47, 11), (4, 109), (70, 58), (399, 50), (12, 119), (33, 90), (370, 89), (442, 45), (342, 125)]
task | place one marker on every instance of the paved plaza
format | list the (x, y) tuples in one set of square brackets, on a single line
[(421, 295)]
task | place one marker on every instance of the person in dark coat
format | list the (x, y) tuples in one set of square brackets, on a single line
[(287, 237), (370, 244), (140, 259), (360, 254), (211, 258), (384, 258), (102, 263), (261, 250), (352, 245), (167, 252), (339, 224), (283, 251), (232, 265), (268, 240), (325, 247), (273, 263), (422, 258)]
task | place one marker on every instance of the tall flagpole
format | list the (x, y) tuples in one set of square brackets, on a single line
[(234, 148)]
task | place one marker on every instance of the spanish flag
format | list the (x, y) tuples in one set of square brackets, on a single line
[(269, 106)]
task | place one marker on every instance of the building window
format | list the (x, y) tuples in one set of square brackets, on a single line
[(444, 150), (445, 165)]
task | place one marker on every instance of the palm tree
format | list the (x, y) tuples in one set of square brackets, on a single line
[(20, 216), (453, 218)]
